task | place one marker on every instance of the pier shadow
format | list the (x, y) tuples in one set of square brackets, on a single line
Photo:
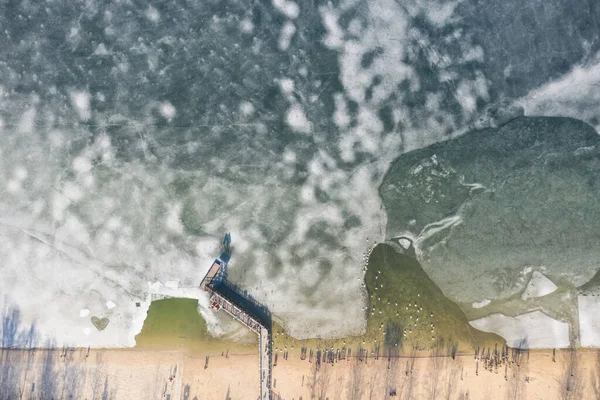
[(242, 299)]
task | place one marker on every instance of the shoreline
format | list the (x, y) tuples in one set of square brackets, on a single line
[(131, 373)]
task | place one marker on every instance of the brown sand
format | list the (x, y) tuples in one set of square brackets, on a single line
[(442, 378), (144, 374)]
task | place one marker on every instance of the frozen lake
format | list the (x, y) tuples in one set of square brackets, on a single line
[(132, 136)]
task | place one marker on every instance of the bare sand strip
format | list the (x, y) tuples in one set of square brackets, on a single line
[(128, 374), (146, 374)]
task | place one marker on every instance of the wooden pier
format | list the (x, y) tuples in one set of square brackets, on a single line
[(226, 296)]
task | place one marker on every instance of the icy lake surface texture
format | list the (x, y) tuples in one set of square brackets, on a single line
[(134, 135)]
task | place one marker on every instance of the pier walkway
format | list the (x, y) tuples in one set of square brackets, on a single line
[(241, 306)]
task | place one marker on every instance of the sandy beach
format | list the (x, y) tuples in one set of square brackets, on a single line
[(158, 374)]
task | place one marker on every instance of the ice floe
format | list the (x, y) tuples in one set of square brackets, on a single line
[(538, 286), (589, 320), (534, 330), (481, 303)]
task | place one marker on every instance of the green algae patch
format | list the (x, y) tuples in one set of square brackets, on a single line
[(407, 308), (407, 313), (175, 323)]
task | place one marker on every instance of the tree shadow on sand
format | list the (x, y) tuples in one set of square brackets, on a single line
[(32, 369), (595, 375), (571, 381)]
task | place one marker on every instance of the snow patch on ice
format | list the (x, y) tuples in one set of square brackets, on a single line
[(167, 110), (174, 284), (534, 330), (110, 305), (538, 286), (84, 312), (286, 85), (246, 26), (13, 186), (589, 320), (81, 103), (246, 108), (101, 50), (405, 243), (296, 119), (288, 8), (27, 121), (173, 219), (285, 36), (21, 173), (481, 303), (574, 95), (152, 14), (81, 164)]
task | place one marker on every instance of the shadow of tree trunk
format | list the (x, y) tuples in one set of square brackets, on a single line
[(409, 380), (571, 381), (320, 381), (357, 380), (436, 371), (595, 378)]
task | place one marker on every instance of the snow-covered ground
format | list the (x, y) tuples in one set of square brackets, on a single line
[(538, 286), (589, 320), (532, 330)]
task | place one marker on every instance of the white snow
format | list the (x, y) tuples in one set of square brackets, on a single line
[(534, 330), (296, 119), (246, 108), (289, 156), (575, 95), (286, 85), (405, 243), (285, 36), (81, 102), (246, 26), (167, 110), (110, 305), (152, 14), (172, 220), (589, 320), (81, 164), (481, 304), (13, 186), (84, 312), (288, 8), (538, 286), (341, 116), (101, 50), (174, 284), (21, 173), (27, 121)]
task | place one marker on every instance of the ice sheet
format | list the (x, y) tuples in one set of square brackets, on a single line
[(538, 286), (534, 330), (589, 320)]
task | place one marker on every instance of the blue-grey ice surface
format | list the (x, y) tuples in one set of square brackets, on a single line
[(133, 135)]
